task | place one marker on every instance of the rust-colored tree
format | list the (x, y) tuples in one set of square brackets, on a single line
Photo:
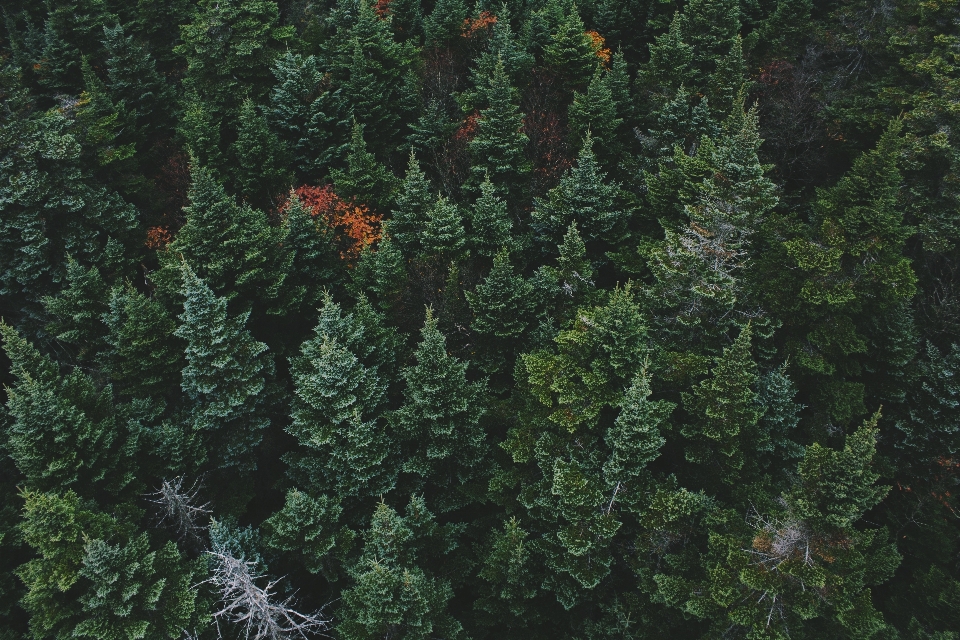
[(353, 224)]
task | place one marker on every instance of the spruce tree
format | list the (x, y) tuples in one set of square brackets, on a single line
[(498, 148), (594, 114), (443, 443), (76, 311), (490, 223), (224, 379), (445, 22), (64, 432), (444, 234), (392, 596), (411, 208), (315, 263), (135, 81), (365, 179), (570, 52), (307, 113), (584, 197), (339, 398), (502, 306), (259, 170), (142, 357), (725, 411), (233, 247)]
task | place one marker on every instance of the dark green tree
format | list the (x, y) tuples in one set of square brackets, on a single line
[(259, 171)]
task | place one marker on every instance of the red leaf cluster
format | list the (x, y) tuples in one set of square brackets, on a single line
[(353, 224), (473, 27), (597, 41)]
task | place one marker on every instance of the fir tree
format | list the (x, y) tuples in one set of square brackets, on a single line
[(411, 209), (584, 197), (439, 422), (502, 306), (307, 113), (224, 378), (725, 411), (498, 148), (235, 250), (64, 431), (392, 596), (444, 23), (315, 263), (444, 234), (570, 52), (364, 178), (76, 311), (260, 172), (142, 357), (490, 223)]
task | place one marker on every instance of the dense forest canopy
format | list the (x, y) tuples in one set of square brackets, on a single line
[(523, 319)]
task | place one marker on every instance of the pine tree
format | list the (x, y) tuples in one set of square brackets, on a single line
[(381, 273), (142, 357), (443, 444), (444, 23), (338, 400), (594, 114), (411, 209), (710, 27), (498, 148), (444, 234), (235, 250), (392, 596), (490, 223), (365, 178), (669, 63), (64, 431), (260, 171), (636, 437), (224, 378), (77, 309), (135, 81), (315, 264), (81, 584), (502, 306), (583, 196), (570, 52), (725, 410), (307, 113)]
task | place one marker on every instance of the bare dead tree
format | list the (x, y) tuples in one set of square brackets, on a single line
[(179, 510), (256, 610)]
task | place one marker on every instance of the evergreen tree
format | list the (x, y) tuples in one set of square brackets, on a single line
[(142, 357), (80, 585), (444, 23), (392, 596), (64, 431), (307, 113), (570, 53), (584, 197), (235, 250), (502, 308), (76, 311), (411, 209), (224, 378), (443, 443), (594, 114), (135, 82), (365, 178), (490, 223), (315, 263), (260, 172), (725, 411), (444, 234), (498, 148), (339, 396)]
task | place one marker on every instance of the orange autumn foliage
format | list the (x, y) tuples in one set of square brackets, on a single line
[(158, 237), (382, 8), (597, 42), (473, 27), (354, 225)]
